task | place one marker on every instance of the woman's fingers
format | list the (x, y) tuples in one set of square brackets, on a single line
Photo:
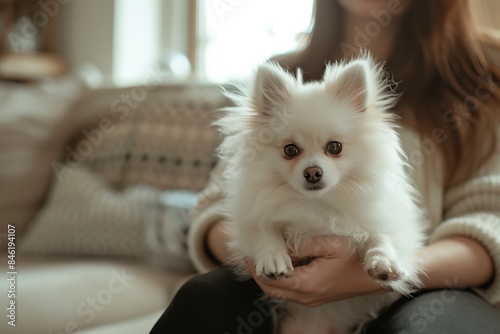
[(321, 246), (282, 282), (298, 282), (291, 295)]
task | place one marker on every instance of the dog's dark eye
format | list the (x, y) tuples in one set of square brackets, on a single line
[(334, 147), (291, 150)]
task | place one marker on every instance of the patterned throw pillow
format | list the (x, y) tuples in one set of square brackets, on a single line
[(162, 137), (106, 196)]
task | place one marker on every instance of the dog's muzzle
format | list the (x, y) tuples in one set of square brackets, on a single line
[(313, 177), (313, 174)]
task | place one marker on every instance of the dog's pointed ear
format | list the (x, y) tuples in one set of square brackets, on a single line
[(350, 82), (272, 88)]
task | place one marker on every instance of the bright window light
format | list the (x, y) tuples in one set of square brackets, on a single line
[(236, 35), (136, 40)]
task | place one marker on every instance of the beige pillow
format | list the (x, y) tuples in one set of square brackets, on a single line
[(35, 121)]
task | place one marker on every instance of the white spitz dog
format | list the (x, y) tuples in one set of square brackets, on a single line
[(318, 159)]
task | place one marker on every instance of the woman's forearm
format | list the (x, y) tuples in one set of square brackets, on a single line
[(216, 242), (456, 262), (449, 263)]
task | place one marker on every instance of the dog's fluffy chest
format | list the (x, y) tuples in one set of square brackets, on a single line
[(305, 217)]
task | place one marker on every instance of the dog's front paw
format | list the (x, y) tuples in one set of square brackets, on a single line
[(383, 269), (390, 273), (274, 266)]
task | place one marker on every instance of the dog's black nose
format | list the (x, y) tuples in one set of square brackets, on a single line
[(313, 174)]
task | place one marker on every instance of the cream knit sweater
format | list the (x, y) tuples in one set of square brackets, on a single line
[(470, 209)]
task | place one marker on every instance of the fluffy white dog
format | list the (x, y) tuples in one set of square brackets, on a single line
[(316, 159)]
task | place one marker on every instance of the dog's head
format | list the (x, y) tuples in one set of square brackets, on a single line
[(318, 136)]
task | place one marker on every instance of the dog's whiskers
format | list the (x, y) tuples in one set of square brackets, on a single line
[(342, 186), (367, 186), (283, 187), (353, 189), (359, 186), (368, 175)]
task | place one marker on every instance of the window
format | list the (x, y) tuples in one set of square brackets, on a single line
[(236, 35), (136, 40)]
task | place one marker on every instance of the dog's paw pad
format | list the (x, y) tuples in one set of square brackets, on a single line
[(275, 276), (383, 276), (275, 266), (394, 275), (382, 269)]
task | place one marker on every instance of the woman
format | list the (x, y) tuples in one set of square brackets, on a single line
[(450, 113)]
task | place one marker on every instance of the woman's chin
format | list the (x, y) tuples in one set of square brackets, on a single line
[(367, 9)]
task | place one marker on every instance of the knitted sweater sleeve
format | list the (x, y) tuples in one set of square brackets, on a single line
[(472, 209), (208, 210)]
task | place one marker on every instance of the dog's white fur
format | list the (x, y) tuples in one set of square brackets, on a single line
[(365, 195)]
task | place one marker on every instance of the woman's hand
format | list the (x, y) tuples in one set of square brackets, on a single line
[(334, 274), (331, 274)]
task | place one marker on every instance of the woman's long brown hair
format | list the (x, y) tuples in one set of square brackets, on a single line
[(450, 86)]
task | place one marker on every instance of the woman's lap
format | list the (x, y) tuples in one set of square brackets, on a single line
[(217, 303), (438, 312)]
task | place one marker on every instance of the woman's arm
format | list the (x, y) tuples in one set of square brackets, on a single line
[(456, 262), (205, 216), (450, 263), (216, 242)]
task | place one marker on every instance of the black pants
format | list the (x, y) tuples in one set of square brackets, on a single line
[(215, 303)]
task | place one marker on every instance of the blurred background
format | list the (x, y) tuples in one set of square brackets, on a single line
[(121, 41)]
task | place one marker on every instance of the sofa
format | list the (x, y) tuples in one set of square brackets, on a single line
[(83, 176)]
